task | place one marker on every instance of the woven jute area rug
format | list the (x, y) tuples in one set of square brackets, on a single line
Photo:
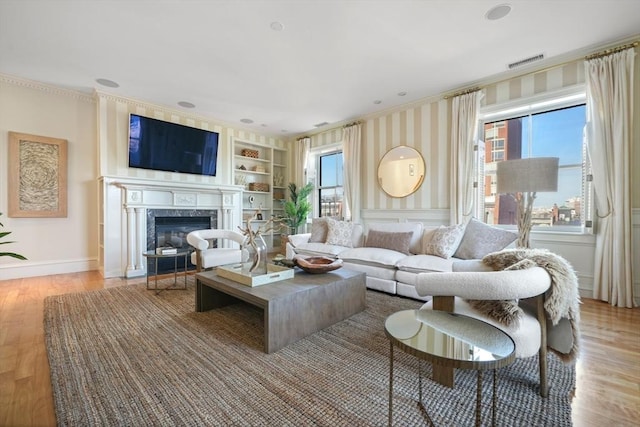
[(126, 356)]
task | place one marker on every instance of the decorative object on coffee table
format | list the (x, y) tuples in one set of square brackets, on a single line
[(317, 264), (256, 264)]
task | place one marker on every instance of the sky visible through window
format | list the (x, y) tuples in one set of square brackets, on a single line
[(557, 133)]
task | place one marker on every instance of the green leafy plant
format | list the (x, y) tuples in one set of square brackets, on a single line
[(297, 208), (3, 234)]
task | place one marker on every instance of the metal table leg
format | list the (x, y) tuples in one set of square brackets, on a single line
[(391, 385)]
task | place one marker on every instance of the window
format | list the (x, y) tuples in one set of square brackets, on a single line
[(553, 129), (330, 184)]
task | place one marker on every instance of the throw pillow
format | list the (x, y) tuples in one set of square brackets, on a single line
[(398, 242), (319, 230), (445, 241), (481, 239), (339, 233)]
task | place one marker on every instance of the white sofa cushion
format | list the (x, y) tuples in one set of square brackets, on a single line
[(319, 249), (415, 247), (373, 270), (425, 264), (374, 256)]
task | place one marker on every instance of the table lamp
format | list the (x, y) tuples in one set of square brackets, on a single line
[(523, 178)]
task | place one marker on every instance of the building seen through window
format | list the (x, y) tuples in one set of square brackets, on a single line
[(556, 133), (330, 184)]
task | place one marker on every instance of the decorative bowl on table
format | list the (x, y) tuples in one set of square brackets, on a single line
[(317, 264)]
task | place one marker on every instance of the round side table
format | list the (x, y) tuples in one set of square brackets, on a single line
[(450, 340), (180, 253)]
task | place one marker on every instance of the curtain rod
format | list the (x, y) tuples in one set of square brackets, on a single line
[(542, 70), (610, 51), (357, 122), (463, 92)]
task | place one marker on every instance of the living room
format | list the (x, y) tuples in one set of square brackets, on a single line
[(95, 124)]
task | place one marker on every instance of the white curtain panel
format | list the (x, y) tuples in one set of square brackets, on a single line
[(609, 132), (302, 148), (464, 128), (351, 154)]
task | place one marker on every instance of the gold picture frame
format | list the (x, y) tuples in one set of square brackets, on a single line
[(37, 176)]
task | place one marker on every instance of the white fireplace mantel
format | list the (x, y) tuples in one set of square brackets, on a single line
[(123, 215)]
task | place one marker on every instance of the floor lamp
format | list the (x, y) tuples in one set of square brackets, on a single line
[(523, 178)]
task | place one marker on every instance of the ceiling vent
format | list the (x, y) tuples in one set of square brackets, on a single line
[(526, 61), (318, 125)]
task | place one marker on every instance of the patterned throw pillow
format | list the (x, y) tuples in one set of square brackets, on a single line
[(339, 233), (445, 241), (481, 239), (319, 230), (398, 242)]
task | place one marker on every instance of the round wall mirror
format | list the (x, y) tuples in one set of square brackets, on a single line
[(401, 171)]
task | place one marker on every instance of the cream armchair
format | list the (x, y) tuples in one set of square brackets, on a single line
[(228, 251), (450, 290)]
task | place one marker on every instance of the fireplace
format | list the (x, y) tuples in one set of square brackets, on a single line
[(170, 227)]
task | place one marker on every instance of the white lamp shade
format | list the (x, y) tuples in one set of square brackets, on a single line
[(527, 175)]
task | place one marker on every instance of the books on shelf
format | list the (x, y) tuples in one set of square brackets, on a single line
[(166, 250)]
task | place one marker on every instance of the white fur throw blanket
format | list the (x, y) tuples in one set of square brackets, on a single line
[(562, 302)]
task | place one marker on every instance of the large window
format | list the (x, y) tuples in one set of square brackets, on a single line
[(330, 184), (557, 131)]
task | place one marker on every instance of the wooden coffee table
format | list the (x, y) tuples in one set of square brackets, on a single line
[(293, 308)]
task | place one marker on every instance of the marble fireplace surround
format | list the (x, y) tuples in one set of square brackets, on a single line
[(138, 198)]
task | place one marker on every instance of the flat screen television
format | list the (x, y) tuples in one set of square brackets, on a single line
[(164, 146)]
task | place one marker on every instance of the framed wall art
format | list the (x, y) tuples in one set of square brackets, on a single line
[(37, 176)]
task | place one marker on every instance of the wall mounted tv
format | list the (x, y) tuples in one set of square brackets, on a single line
[(159, 145)]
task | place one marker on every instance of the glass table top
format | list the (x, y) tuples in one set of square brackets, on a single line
[(451, 339)]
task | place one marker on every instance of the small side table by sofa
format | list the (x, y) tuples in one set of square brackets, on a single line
[(451, 340), (180, 253)]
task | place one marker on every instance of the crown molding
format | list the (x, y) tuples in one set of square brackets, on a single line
[(47, 88)]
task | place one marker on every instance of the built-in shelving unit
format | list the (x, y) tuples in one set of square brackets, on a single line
[(262, 171)]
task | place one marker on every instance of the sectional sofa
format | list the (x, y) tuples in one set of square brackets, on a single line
[(393, 254)]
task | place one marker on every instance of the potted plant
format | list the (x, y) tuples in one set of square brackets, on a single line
[(3, 234), (297, 208)]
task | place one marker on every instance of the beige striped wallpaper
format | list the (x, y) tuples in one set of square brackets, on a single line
[(426, 128)]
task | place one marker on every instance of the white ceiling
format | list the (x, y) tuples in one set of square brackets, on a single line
[(331, 61)]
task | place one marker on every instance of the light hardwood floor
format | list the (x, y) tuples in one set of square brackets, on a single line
[(608, 370)]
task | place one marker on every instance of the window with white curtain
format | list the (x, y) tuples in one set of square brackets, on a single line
[(552, 126), (330, 190), (325, 169)]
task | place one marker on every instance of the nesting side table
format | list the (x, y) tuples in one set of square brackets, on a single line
[(154, 256), (450, 340)]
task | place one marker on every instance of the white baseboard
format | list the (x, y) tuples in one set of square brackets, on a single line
[(35, 269)]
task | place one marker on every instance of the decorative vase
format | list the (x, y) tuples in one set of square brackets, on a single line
[(256, 262)]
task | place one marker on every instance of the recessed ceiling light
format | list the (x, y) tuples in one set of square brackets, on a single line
[(107, 83), (264, 125), (402, 93), (186, 104), (284, 131), (277, 26), (377, 101), (247, 121), (498, 12)]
